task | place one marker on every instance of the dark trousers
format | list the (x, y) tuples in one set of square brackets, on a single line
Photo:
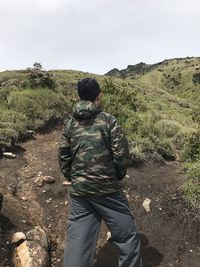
[(84, 224)]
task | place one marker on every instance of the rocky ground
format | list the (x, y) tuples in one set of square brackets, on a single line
[(170, 232)]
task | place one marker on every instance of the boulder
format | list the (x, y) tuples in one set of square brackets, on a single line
[(32, 251), (21, 256)]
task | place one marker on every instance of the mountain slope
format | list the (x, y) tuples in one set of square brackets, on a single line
[(179, 76)]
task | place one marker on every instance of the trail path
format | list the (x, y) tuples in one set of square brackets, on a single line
[(168, 239)]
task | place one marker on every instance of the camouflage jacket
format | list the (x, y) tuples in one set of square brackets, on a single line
[(93, 152)]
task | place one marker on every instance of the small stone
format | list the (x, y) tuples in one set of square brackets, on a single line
[(40, 180), (66, 183), (66, 203), (18, 237), (127, 176), (108, 236), (24, 198), (9, 155), (146, 204), (50, 225), (23, 221)]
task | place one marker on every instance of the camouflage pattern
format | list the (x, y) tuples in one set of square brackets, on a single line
[(93, 152)]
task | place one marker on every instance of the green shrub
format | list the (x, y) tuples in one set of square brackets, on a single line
[(196, 78), (4, 93), (118, 95), (191, 149), (169, 127), (40, 78), (196, 115), (166, 149), (193, 170), (39, 106), (13, 126), (191, 189)]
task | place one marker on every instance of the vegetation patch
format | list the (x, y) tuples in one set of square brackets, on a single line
[(157, 106)]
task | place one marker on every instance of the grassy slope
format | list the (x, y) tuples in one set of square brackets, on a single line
[(173, 79), (155, 114), (175, 76), (150, 100)]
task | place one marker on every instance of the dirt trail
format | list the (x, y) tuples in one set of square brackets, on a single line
[(166, 234)]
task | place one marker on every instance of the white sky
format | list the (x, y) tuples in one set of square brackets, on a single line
[(96, 35)]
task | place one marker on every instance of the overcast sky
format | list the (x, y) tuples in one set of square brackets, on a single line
[(96, 35)]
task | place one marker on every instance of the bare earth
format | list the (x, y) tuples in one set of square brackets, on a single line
[(170, 232)]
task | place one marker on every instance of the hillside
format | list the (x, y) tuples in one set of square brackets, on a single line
[(179, 76), (157, 120), (162, 127)]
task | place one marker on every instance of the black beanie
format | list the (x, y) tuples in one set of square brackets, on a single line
[(88, 89)]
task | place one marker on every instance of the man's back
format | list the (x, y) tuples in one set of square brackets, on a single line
[(98, 151)]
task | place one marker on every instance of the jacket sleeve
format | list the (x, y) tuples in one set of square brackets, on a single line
[(64, 154), (119, 148)]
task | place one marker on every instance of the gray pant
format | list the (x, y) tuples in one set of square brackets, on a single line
[(84, 224)]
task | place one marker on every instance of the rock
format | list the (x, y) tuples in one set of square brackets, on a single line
[(108, 236), (19, 236), (30, 133), (9, 155), (21, 256), (38, 246), (66, 183), (146, 204), (1, 201), (24, 198), (40, 180), (32, 252), (127, 196)]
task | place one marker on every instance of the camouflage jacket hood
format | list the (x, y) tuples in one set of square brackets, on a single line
[(85, 110)]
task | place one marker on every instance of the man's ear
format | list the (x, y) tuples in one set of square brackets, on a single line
[(98, 98)]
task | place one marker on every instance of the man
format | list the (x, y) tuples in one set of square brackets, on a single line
[(93, 156)]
